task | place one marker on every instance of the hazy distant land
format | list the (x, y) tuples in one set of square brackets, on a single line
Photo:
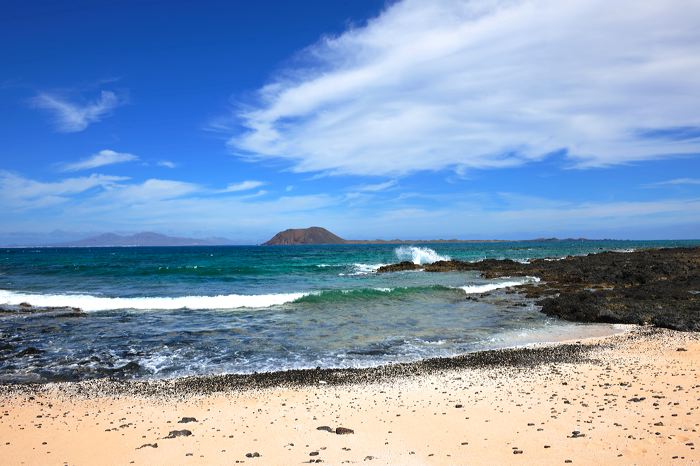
[(141, 239)]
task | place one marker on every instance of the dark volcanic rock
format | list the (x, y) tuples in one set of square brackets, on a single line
[(344, 431), (655, 286), (400, 267), (29, 352), (152, 445), (179, 433), (185, 420), (50, 311)]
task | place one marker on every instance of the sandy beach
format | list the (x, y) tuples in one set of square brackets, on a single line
[(632, 398)]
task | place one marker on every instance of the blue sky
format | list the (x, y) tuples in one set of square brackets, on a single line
[(446, 119)]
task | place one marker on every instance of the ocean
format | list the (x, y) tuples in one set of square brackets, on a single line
[(178, 311)]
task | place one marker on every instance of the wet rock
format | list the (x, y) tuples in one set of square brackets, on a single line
[(130, 367), (31, 351), (48, 311), (400, 267), (654, 286)]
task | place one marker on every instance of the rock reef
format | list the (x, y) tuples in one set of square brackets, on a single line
[(655, 286)]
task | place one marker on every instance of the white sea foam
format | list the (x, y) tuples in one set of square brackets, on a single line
[(90, 303), (475, 289), (362, 269), (419, 255)]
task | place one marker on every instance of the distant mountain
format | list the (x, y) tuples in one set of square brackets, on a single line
[(312, 235), (141, 239)]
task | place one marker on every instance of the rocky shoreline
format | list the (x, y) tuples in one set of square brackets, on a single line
[(660, 287), (512, 359)]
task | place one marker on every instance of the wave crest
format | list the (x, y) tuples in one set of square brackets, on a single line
[(419, 255), (91, 303), (476, 289)]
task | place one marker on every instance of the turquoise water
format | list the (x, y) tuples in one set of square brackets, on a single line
[(164, 312)]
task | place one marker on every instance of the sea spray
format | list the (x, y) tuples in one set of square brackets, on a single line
[(419, 255)]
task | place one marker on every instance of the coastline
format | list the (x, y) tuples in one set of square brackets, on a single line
[(477, 408)]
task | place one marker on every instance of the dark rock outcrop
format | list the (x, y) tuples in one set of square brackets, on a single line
[(656, 286), (344, 431), (400, 267), (51, 311), (179, 433)]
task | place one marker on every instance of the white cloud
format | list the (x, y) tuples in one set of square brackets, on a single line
[(243, 186), (677, 182), (71, 117), (117, 203), (486, 84), (20, 193), (149, 191), (166, 164), (100, 159), (373, 188)]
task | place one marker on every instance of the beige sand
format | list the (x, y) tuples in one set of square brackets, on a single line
[(467, 416)]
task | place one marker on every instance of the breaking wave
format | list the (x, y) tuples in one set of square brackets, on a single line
[(361, 269), (476, 289), (91, 303), (419, 255)]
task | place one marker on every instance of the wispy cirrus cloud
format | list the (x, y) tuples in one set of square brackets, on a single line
[(243, 186), (21, 193), (676, 182), (73, 116), (166, 164), (486, 84), (149, 191), (373, 188), (183, 207), (100, 159)]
